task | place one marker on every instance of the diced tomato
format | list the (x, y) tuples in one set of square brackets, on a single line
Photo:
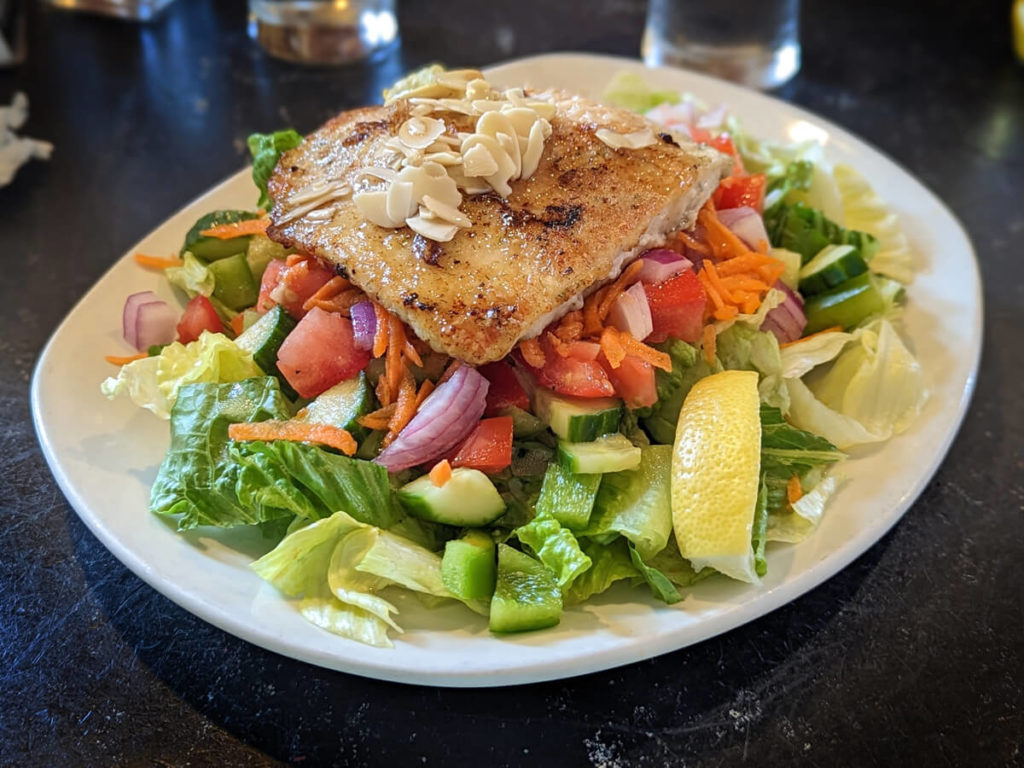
[(505, 389), (722, 142), (319, 352), (578, 374), (634, 382), (271, 277), (199, 316), (291, 286), (488, 447), (737, 191), (677, 307)]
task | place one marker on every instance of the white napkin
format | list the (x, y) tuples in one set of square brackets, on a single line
[(15, 150)]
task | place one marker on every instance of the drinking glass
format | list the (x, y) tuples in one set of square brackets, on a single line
[(753, 42), (136, 10), (323, 31)]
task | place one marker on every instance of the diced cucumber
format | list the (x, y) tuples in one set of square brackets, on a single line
[(526, 595), (468, 567), (578, 419), (567, 496), (831, 266), (469, 499), (342, 405), (524, 424), (212, 248), (845, 305), (891, 291), (264, 338), (610, 453), (791, 259), (260, 252), (233, 282)]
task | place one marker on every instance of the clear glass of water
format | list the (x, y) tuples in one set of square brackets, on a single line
[(323, 31), (753, 42), (136, 10)]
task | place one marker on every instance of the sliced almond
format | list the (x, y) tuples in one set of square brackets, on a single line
[(634, 140), (420, 132), (439, 231), (447, 212)]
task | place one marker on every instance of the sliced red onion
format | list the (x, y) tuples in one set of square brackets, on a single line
[(364, 324), (746, 224), (147, 321), (661, 264), (713, 117), (444, 420), (787, 321), (631, 313)]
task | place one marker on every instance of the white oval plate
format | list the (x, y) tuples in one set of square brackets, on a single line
[(105, 454)]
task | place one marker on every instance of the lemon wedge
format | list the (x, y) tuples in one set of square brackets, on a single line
[(716, 463)]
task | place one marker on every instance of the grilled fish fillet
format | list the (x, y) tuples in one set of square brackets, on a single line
[(573, 225)]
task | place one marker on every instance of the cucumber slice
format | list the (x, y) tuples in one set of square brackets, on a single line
[(212, 248), (526, 595), (568, 497), (260, 252), (264, 338), (831, 266), (469, 499), (524, 424), (791, 259), (233, 282), (468, 569), (342, 405), (845, 305), (611, 453), (577, 419)]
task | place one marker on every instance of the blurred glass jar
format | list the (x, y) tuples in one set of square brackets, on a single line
[(136, 10), (753, 42), (323, 31)]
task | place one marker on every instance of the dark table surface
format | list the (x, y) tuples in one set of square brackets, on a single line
[(912, 655)]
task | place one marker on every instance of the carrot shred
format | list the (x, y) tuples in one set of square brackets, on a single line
[(712, 274), (711, 291), (533, 353), (691, 242), (378, 419), (328, 290), (237, 324), (380, 338), (158, 262), (405, 408), (647, 354), (294, 431), (570, 327), (622, 282), (117, 360), (612, 346), (591, 317), (293, 259), (384, 393), (411, 354), (441, 473), (393, 364), (237, 229), (794, 491), (710, 343), (830, 329), (561, 348), (425, 389), (725, 313)]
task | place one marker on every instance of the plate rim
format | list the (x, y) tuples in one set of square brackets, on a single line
[(768, 601)]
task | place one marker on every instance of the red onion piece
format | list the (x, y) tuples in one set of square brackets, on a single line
[(631, 313), (746, 224), (364, 324), (156, 324), (713, 117), (444, 420), (131, 307), (787, 321), (661, 264)]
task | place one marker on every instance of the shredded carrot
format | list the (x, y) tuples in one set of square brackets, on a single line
[(794, 492), (570, 327), (237, 323), (831, 329), (710, 343), (711, 291), (293, 259), (629, 276), (158, 262), (116, 360), (592, 320), (723, 242), (294, 431), (693, 243), (533, 353), (411, 354), (237, 229), (425, 389), (561, 348), (744, 264), (712, 276), (726, 313), (378, 419), (328, 290), (453, 366), (405, 408), (645, 353), (612, 347), (384, 393), (441, 473), (380, 338), (393, 363)]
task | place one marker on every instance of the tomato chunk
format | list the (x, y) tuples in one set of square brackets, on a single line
[(291, 286), (579, 374), (505, 389), (488, 447), (199, 316), (677, 307), (737, 191), (320, 352), (634, 382)]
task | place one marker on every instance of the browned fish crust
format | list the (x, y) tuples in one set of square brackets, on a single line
[(561, 232)]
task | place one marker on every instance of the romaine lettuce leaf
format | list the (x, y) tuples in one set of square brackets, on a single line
[(796, 522), (676, 567), (556, 547), (153, 382), (266, 149), (197, 477), (661, 586), (745, 348), (687, 368), (610, 563)]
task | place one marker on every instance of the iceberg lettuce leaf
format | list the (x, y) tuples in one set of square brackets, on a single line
[(266, 149)]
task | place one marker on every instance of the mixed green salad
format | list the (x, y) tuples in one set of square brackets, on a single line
[(372, 462)]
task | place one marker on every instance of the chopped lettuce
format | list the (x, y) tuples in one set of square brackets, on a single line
[(636, 503), (610, 563), (796, 523), (759, 529), (743, 347), (661, 586), (197, 478), (687, 368), (556, 547), (629, 91), (677, 568), (153, 382), (266, 149), (806, 354), (195, 278)]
